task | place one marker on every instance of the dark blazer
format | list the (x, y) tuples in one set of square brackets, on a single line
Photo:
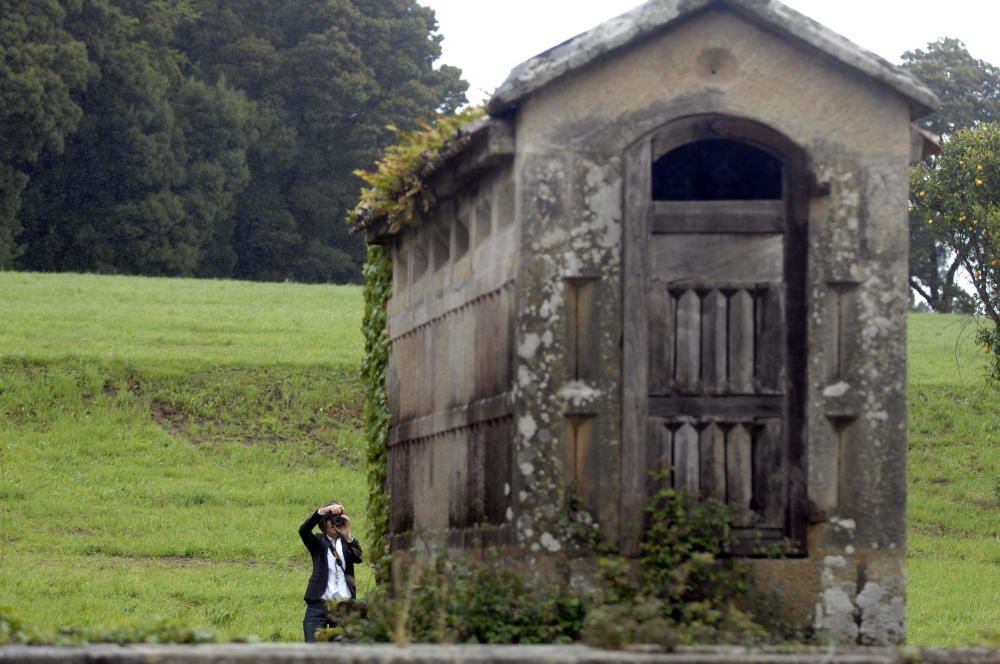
[(318, 544)]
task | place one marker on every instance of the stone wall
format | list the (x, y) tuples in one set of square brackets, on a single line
[(385, 654), (571, 136), (451, 365)]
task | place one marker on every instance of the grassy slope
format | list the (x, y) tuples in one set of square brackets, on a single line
[(161, 440), (954, 499)]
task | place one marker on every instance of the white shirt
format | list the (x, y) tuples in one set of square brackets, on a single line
[(336, 582)]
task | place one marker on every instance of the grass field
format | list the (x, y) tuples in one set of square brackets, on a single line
[(954, 487), (160, 441)]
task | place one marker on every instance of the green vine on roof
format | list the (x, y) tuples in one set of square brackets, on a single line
[(396, 194)]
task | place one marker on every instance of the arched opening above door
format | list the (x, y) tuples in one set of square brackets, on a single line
[(718, 170)]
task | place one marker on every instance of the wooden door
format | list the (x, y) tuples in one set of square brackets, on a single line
[(714, 330)]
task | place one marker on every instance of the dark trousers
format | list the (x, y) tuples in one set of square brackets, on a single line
[(316, 618)]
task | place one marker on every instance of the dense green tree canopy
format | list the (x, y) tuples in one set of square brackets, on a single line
[(969, 88), (41, 68), (205, 137)]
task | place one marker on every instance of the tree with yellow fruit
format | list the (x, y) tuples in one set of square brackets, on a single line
[(958, 197)]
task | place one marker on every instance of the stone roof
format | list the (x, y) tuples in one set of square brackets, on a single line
[(657, 15)]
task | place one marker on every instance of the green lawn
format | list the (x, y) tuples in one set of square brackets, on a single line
[(161, 440), (954, 487)]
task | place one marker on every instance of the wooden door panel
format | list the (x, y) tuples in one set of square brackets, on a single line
[(712, 450), (770, 341), (705, 340), (688, 333), (770, 472), (741, 342), (714, 342), (687, 467), (659, 455), (739, 473), (714, 327), (661, 339), (681, 260)]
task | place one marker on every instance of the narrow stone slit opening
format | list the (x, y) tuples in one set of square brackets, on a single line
[(718, 170)]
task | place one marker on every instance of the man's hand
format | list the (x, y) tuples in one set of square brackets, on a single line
[(332, 508)]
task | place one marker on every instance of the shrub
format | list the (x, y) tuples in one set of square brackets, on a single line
[(681, 590)]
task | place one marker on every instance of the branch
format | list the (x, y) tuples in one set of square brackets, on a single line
[(915, 285)]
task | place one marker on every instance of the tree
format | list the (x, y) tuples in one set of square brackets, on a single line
[(41, 67), (327, 78), (957, 197), (970, 94), (203, 137), (147, 183)]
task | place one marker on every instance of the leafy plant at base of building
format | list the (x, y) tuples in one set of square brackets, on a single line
[(686, 585), (958, 196), (682, 590), (447, 600)]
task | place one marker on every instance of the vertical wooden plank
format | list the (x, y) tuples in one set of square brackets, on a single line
[(770, 341), (497, 337), (659, 455), (661, 339), (509, 325), (688, 360), (714, 351), (770, 473), (491, 318), (588, 332), (456, 360), (741, 339), (400, 489), (571, 290), (687, 471), (485, 351), (479, 358), (635, 393), (407, 373), (712, 454), (442, 341), (497, 440), (469, 352), (425, 349), (588, 463), (476, 473), (739, 477)]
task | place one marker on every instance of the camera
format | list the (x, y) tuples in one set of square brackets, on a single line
[(339, 521)]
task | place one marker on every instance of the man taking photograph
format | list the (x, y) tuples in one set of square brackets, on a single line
[(334, 553)]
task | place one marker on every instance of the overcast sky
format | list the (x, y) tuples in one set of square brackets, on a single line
[(486, 38)]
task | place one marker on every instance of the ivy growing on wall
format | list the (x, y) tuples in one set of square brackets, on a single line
[(378, 288), (395, 196)]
